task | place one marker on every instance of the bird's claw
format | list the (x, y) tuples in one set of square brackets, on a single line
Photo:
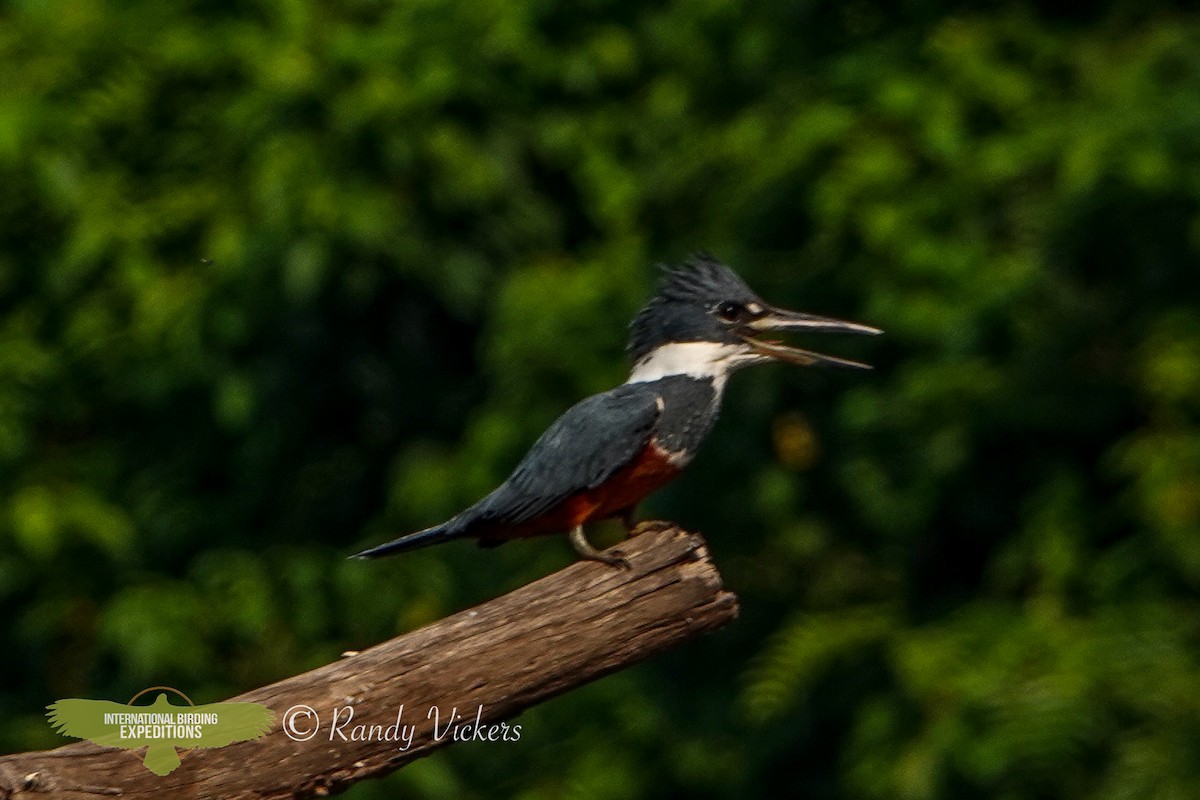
[(584, 548), (649, 526), (615, 559)]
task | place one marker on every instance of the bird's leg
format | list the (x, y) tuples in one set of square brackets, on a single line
[(584, 548), (645, 526)]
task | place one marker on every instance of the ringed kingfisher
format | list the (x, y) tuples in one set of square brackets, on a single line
[(611, 450)]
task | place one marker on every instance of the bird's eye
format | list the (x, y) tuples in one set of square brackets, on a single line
[(729, 311)]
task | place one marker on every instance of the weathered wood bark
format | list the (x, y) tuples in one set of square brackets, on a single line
[(506, 655)]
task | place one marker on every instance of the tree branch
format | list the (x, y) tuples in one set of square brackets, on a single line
[(503, 656)]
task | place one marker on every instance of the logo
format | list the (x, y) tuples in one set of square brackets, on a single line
[(160, 727)]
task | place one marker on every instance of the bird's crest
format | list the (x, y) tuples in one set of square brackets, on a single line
[(702, 278)]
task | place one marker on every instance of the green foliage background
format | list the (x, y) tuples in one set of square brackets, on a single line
[(279, 279)]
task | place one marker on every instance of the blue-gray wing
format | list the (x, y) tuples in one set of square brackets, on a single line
[(586, 445)]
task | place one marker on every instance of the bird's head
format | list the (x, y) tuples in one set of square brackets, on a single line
[(705, 321)]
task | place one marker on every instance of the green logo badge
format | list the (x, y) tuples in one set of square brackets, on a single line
[(160, 727)]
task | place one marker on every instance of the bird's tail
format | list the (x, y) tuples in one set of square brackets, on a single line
[(438, 533)]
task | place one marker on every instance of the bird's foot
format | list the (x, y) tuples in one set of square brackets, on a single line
[(613, 559), (650, 526), (586, 550)]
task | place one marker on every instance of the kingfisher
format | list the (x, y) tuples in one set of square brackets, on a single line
[(608, 452)]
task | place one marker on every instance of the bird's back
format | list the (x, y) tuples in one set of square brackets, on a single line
[(586, 446)]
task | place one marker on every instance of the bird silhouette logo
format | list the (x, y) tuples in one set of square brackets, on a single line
[(160, 727)]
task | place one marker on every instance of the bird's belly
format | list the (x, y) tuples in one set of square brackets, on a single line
[(651, 470)]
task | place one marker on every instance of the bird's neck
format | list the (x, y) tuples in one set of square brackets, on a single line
[(709, 361)]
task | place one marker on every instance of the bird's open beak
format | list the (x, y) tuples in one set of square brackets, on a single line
[(778, 319)]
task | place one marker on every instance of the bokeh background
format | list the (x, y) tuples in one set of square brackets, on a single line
[(280, 279)]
